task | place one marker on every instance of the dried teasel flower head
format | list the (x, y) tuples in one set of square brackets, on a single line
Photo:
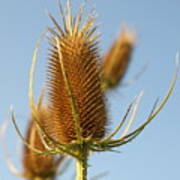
[(75, 98), (117, 59), (38, 166)]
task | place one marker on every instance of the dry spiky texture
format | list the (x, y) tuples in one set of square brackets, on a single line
[(76, 48), (42, 166), (117, 59)]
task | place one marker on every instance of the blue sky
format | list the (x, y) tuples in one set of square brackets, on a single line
[(155, 153)]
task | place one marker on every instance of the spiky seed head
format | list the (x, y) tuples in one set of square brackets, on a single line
[(37, 166), (75, 97), (117, 59)]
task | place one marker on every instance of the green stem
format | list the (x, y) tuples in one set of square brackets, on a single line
[(81, 164), (43, 178)]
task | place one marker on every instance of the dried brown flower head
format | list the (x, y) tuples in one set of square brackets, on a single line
[(36, 165), (75, 95), (117, 59)]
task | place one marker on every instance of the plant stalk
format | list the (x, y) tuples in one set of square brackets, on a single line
[(81, 164), (41, 178)]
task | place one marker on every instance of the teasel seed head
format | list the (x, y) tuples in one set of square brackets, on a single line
[(75, 97), (38, 166), (116, 61)]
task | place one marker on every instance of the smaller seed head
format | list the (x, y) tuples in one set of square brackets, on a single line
[(35, 165), (117, 59)]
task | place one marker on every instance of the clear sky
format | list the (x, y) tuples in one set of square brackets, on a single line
[(155, 153)]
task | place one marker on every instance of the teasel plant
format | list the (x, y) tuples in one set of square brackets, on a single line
[(77, 124)]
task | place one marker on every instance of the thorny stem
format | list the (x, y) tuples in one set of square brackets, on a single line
[(81, 164)]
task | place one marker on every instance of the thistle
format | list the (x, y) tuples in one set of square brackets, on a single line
[(116, 61), (77, 122)]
